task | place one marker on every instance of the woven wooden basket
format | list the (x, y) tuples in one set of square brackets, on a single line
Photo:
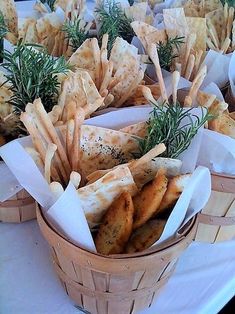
[(217, 219), (121, 284), (21, 207), (230, 99)]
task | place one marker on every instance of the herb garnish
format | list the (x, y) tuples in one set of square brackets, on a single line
[(76, 33), (131, 2), (3, 26), (166, 52), (50, 3), (164, 126), (114, 22), (231, 3), (32, 74)]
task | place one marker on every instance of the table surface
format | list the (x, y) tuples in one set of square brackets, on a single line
[(203, 282)]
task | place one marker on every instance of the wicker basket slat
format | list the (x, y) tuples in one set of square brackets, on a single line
[(227, 232), (19, 208), (101, 281), (217, 219)]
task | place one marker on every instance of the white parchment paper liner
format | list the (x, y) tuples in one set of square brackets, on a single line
[(217, 152), (67, 214)]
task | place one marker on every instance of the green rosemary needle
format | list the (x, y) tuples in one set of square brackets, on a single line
[(164, 126), (166, 51), (114, 22), (3, 26), (231, 3), (31, 74), (76, 33), (50, 3)]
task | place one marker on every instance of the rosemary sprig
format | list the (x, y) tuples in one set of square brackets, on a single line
[(114, 22), (166, 51), (131, 2), (164, 126), (3, 26), (76, 33), (50, 3), (231, 3), (32, 74)]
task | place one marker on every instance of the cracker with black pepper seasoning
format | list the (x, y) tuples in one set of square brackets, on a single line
[(116, 227)]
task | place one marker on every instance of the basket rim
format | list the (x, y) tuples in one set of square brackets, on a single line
[(216, 220), (222, 175), (180, 242)]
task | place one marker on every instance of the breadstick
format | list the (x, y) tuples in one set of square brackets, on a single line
[(233, 36), (51, 149), (190, 66), (230, 22), (90, 108), (75, 178), (35, 156), (58, 123), (56, 189), (114, 81), (35, 136), (152, 51), (175, 82), (188, 101), (178, 67), (224, 30), (153, 153), (55, 114), (189, 45), (104, 55), (209, 101), (198, 60), (210, 44), (148, 94), (108, 100), (213, 34), (70, 108), (96, 54), (225, 45), (104, 93), (197, 82), (37, 140), (53, 135), (75, 152), (30, 109), (69, 138)]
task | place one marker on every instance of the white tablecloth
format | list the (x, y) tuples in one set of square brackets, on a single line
[(204, 280)]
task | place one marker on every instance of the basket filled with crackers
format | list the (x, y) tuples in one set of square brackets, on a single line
[(118, 204), (116, 184)]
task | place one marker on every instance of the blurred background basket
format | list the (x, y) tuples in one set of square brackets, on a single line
[(21, 207), (217, 219), (115, 284), (230, 99)]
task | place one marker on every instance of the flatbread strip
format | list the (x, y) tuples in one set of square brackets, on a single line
[(145, 236), (174, 189), (116, 227), (147, 202), (97, 197)]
